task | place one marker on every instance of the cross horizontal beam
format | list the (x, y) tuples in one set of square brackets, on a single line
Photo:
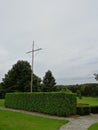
[(34, 50)]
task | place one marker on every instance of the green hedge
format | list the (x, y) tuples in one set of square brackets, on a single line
[(54, 103), (83, 109), (94, 109)]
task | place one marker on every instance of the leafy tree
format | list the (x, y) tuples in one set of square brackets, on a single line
[(49, 82), (79, 94), (96, 76), (18, 78), (36, 83), (97, 91), (90, 89), (0, 91), (62, 88)]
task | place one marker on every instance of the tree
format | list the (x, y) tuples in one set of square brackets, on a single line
[(49, 82), (36, 83), (1, 91), (96, 76), (62, 88), (79, 94), (19, 77)]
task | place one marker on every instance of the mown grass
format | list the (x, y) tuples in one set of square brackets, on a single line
[(20, 121), (92, 101), (93, 127)]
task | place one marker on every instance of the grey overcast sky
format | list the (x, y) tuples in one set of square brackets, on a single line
[(67, 30)]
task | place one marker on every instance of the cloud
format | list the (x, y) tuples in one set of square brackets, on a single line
[(66, 30)]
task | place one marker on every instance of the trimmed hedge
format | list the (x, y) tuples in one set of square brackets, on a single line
[(94, 109), (55, 103), (83, 109)]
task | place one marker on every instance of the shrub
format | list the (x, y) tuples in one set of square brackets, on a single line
[(54, 103), (94, 109), (83, 109)]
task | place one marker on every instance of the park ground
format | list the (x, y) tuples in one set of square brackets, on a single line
[(11, 120)]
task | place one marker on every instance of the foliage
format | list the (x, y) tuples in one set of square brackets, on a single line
[(73, 88), (62, 88), (79, 94), (36, 83), (96, 76), (54, 103), (18, 78), (20, 121), (49, 82), (85, 89), (94, 109), (83, 109), (2, 102), (93, 127), (87, 104), (1, 91)]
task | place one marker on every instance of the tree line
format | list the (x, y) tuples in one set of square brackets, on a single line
[(18, 79), (90, 89)]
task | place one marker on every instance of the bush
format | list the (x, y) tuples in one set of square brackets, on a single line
[(54, 103), (94, 109), (83, 109), (79, 94)]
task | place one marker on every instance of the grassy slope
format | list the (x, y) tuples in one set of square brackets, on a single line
[(19, 121), (93, 127), (88, 100)]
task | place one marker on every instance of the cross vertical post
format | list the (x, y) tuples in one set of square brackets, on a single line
[(32, 72), (32, 66)]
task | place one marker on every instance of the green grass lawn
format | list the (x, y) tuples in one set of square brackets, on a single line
[(20, 121), (1, 102), (93, 127), (88, 100)]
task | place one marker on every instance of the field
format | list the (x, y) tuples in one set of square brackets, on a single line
[(92, 101), (20, 121), (93, 127)]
